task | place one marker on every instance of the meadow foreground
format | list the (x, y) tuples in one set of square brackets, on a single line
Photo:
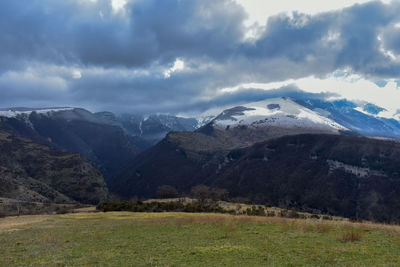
[(180, 239)]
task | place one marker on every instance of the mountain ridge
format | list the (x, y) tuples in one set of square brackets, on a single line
[(37, 173)]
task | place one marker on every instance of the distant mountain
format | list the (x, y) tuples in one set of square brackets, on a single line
[(107, 146), (31, 172), (280, 152), (107, 140), (363, 119), (277, 112), (234, 128), (335, 174), (153, 128), (247, 124)]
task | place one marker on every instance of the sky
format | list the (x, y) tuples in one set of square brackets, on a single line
[(187, 56)]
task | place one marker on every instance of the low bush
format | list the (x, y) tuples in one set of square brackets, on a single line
[(255, 211), (293, 214), (172, 206), (271, 213), (327, 217), (355, 220), (283, 213), (315, 216), (63, 210)]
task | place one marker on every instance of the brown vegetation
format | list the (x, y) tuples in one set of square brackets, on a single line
[(350, 235)]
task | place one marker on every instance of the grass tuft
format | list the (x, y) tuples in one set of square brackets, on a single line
[(350, 235)]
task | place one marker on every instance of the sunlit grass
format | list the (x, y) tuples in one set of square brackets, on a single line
[(179, 239)]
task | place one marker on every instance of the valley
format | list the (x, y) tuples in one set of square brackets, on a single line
[(35, 173)]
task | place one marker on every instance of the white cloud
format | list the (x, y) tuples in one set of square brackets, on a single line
[(118, 5), (178, 65), (355, 87), (259, 10), (76, 74), (347, 85), (264, 86)]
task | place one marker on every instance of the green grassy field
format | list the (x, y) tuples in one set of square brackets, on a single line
[(176, 239)]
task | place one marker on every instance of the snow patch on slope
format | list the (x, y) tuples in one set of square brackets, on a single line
[(385, 114)]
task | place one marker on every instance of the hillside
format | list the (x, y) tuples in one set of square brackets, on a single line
[(30, 172), (341, 175), (155, 127), (75, 130), (107, 140), (336, 174)]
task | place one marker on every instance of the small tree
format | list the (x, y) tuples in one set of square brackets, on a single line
[(201, 192), (167, 191), (219, 194)]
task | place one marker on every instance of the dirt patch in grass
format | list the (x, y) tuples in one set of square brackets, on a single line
[(12, 223)]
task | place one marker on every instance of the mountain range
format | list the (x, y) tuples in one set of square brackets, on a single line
[(336, 157), (108, 141)]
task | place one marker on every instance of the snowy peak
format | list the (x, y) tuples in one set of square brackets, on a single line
[(15, 112), (278, 112)]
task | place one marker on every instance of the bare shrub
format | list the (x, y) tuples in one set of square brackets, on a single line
[(355, 220), (315, 216), (283, 213), (271, 213), (167, 191), (293, 214), (201, 192), (327, 217)]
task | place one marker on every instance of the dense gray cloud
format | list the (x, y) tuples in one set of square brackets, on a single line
[(82, 53), (89, 33)]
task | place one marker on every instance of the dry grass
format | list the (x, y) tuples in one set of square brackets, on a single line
[(86, 209), (350, 235), (12, 223), (201, 239), (313, 226)]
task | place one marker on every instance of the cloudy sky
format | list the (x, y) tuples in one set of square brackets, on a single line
[(178, 56)]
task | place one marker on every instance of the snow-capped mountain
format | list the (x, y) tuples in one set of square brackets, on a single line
[(361, 118), (277, 112), (365, 119), (15, 112)]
